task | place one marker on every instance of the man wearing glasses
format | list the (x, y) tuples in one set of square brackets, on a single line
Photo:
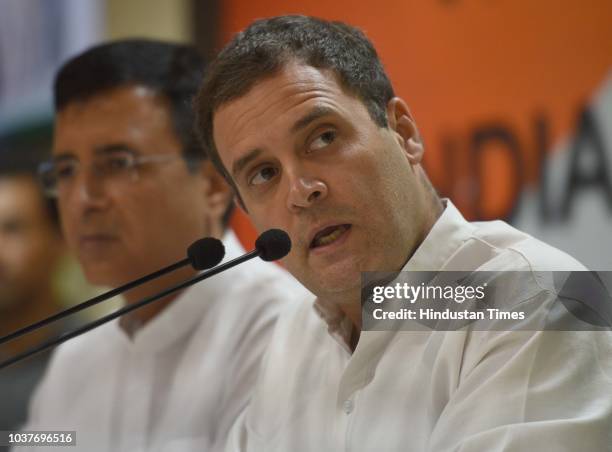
[(134, 190)]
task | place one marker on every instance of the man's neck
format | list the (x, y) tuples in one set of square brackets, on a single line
[(349, 302), (347, 306)]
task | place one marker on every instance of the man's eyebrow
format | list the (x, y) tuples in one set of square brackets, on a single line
[(244, 161), (64, 155), (114, 147), (102, 150), (313, 115)]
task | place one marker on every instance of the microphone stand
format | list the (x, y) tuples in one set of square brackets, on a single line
[(90, 326), (95, 300)]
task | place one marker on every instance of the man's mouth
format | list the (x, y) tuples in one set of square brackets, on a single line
[(95, 239), (329, 235)]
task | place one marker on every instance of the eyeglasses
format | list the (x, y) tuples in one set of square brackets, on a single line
[(116, 167)]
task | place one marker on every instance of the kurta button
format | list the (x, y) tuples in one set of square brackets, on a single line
[(348, 406)]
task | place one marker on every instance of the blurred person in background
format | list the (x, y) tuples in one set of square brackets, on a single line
[(31, 251), (134, 190)]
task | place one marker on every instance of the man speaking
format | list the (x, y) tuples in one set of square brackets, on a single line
[(302, 120), (134, 191)]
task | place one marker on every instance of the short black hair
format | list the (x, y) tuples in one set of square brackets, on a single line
[(21, 150), (171, 70), (267, 45)]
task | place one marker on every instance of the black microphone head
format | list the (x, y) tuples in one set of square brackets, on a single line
[(205, 253), (273, 244)]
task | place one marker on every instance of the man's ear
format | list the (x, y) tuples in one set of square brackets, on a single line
[(218, 196), (405, 129)]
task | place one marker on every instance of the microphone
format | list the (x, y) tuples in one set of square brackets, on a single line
[(205, 253), (273, 244), (202, 254)]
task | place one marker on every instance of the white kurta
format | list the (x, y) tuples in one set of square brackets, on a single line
[(181, 381), (435, 390)]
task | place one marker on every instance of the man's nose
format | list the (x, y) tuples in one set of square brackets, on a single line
[(89, 188), (304, 191)]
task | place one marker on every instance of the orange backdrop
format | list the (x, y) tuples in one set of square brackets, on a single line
[(481, 77)]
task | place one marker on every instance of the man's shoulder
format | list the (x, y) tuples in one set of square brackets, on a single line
[(512, 249), (518, 267)]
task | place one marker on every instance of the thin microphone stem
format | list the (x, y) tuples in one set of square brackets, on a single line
[(98, 299), (96, 323)]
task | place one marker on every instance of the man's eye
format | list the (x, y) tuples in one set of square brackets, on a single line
[(116, 163), (325, 139), (263, 175), (65, 170), (12, 227)]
